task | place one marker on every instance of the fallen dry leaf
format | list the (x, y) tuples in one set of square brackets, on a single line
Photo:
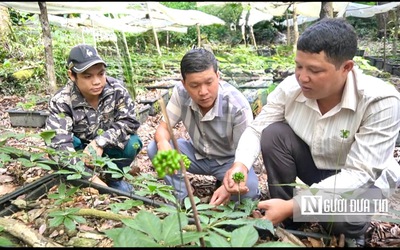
[(316, 242), (7, 188)]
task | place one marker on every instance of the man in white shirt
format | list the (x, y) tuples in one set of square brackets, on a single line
[(329, 124)]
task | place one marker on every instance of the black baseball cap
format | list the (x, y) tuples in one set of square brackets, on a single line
[(83, 56)]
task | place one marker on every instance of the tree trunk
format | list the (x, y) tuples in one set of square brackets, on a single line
[(125, 56), (381, 21), (198, 35), (5, 25), (326, 10), (243, 29), (295, 27), (396, 31), (252, 37), (288, 40), (154, 30), (48, 48)]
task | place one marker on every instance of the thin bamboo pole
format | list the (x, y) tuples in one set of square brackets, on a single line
[(183, 169)]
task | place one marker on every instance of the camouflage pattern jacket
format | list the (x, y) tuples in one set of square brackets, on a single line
[(70, 115)]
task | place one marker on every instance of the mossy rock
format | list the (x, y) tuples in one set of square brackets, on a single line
[(384, 75), (23, 74), (82, 242)]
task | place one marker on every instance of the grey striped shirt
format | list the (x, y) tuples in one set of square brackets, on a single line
[(216, 134)]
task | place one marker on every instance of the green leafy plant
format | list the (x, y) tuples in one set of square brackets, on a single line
[(220, 222), (30, 103), (35, 160), (75, 171), (148, 230), (113, 169), (66, 217), (127, 204), (63, 195), (220, 227), (4, 159), (153, 188), (47, 135)]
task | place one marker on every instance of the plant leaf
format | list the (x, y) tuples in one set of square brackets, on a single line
[(245, 236)]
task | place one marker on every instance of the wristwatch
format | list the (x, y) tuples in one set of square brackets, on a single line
[(100, 141)]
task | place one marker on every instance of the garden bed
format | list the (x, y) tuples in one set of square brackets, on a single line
[(27, 118), (34, 203), (203, 185), (151, 98)]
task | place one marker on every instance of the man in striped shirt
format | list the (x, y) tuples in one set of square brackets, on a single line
[(215, 114), (329, 125)]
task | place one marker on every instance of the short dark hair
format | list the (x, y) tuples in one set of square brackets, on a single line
[(335, 36), (198, 60)]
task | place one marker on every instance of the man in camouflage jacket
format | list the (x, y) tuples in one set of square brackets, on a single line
[(94, 113)]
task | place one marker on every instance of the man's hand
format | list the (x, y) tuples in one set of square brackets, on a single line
[(230, 185), (276, 210), (220, 196), (163, 145), (99, 151)]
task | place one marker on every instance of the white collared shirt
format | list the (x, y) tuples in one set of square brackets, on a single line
[(369, 110)]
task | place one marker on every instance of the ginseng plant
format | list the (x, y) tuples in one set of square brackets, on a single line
[(237, 178), (174, 156)]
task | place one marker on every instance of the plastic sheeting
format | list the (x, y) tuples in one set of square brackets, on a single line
[(312, 9), (128, 16), (270, 8), (365, 11), (255, 16), (351, 9), (307, 11), (70, 7), (187, 17)]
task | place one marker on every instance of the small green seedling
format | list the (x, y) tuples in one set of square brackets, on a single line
[(238, 177)]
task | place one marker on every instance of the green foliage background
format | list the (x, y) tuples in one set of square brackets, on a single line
[(23, 69)]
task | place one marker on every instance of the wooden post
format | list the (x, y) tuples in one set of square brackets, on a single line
[(5, 25), (198, 35), (295, 27), (154, 30), (48, 48), (287, 27), (396, 30), (252, 37)]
